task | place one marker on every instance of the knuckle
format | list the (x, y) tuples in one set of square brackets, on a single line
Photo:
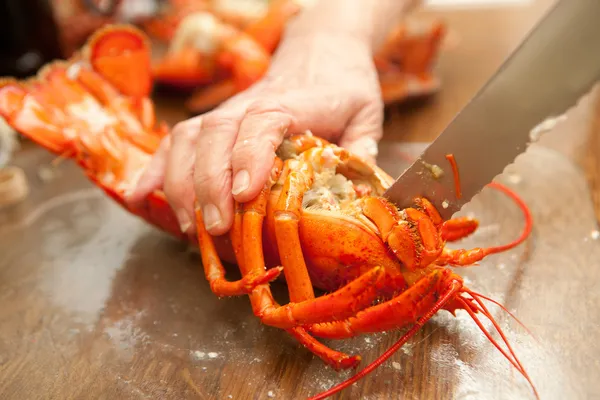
[(185, 131), (218, 119), (379, 108), (255, 148), (370, 98), (375, 101), (374, 106), (174, 192), (245, 148), (243, 157), (266, 106), (211, 183)]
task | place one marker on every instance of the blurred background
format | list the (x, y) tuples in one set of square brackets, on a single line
[(440, 56)]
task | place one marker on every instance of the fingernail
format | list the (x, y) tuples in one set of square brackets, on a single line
[(184, 220), (212, 216), (240, 182)]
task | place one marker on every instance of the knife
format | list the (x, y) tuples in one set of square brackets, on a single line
[(555, 65)]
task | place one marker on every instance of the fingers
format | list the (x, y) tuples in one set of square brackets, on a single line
[(212, 171), (267, 122), (364, 131), (261, 132), (178, 183), (229, 152), (154, 175)]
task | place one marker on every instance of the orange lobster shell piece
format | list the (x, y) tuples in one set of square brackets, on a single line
[(320, 221)]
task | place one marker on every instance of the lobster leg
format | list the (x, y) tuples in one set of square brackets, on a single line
[(458, 228), (287, 216), (339, 304), (331, 357), (410, 233), (235, 235), (215, 273), (261, 296), (463, 257), (396, 313), (440, 289)]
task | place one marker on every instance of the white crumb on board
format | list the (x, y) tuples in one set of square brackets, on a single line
[(198, 354)]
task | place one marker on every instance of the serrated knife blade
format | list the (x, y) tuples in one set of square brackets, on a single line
[(556, 64)]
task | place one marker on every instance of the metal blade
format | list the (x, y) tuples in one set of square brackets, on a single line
[(557, 63)]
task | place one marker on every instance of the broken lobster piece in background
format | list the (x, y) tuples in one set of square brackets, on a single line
[(219, 55)]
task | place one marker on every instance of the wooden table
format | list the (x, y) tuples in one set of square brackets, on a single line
[(95, 304)]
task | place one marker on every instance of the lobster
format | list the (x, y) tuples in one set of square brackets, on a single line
[(219, 57), (319, 222)]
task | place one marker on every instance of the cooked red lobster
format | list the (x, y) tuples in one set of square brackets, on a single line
[(319, 222)]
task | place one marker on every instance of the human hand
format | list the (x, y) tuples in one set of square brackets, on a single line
[(325, 83)]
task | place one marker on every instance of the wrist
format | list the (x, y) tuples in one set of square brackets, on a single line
[(367, 21), (332, 18)]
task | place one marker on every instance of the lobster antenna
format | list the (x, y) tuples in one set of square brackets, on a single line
[(528, 227), (454, 288), (489, 336), (475, 294), (499, 330), (526, 213), (513, 360)]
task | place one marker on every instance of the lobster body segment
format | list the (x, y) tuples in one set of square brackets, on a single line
[(319, 222)]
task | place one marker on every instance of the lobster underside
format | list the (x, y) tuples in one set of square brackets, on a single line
[(319, 222)]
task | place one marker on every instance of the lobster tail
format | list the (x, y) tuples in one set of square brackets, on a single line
[(94, 108), (26, 115), (78, 105)]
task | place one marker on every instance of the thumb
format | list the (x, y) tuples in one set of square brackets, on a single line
[(268, 121), (364, 131)]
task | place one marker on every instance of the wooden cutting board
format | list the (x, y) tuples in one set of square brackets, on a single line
[(96, 304)]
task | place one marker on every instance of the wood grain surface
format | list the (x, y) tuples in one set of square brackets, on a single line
[(95, 304)]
